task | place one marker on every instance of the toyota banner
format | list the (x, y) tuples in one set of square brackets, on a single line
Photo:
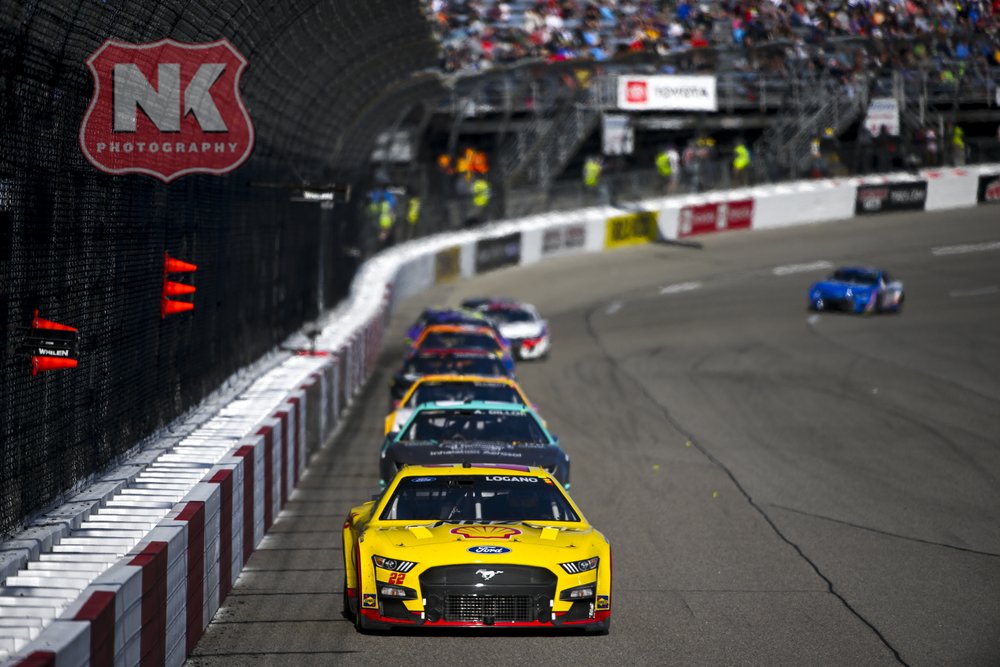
[(667, 93)]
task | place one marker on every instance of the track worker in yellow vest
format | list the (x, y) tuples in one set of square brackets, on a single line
[(595, 188), (741, 163), (480, 193), (412, 216), (592, 172), (958, 145), (668, 166), (385, 222)]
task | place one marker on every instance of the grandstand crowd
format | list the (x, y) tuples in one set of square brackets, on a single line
[(480, 34)]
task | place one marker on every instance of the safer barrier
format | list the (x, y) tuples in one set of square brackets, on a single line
[(152, 605)]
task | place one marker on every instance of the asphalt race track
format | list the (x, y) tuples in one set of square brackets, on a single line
[(780, 487)]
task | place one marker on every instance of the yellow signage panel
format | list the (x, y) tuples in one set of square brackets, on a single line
[(630, 229), (446, 264)]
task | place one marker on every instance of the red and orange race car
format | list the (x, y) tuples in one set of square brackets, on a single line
[(463, 337)]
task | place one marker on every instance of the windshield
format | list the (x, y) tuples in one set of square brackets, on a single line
[(459, 340), (429, 392), (493, 425), (511, 315), (505, 496), (450, 365), (854, 276)]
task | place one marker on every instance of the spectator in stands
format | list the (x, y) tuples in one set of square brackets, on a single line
[(475, 34)]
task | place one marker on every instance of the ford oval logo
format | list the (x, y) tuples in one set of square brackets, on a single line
[(488, 549)]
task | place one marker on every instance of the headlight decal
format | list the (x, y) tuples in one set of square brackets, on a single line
[(393, 564), (585, 565)]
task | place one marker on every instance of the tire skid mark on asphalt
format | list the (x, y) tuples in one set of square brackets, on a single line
[(979, 291), (789, 269), (871, 358), (918, 419), (679, 288), (943, 251), (885, 533), (831, 589)]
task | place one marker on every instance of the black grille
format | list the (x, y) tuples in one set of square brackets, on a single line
[(488, 594), (488, 608)]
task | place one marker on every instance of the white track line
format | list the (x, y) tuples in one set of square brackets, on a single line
[(963, 249), (981, 291), (680, 287), (789, 269), (613, 308)]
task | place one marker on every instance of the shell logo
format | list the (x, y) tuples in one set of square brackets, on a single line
[(485, 532)]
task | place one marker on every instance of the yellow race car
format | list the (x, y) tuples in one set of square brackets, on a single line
[(462, 545), (436, 388)]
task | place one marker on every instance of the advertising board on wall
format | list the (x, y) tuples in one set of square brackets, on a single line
[(630, 229), (558, 239), (989, 189), (498, 252), (715, 217), (667, 93), (447, 264), (883, 198)]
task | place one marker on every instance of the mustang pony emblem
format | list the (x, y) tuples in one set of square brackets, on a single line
[(488, 574), (485, 532)]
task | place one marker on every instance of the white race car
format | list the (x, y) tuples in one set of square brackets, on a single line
[(522, 326)]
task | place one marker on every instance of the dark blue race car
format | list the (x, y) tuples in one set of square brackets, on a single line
[(857, 290)]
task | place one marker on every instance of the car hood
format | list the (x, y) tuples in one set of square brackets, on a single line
[(464, 541), (522, 329)]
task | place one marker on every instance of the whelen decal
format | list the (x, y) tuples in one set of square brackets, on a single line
[(369, 601), (485, 532)]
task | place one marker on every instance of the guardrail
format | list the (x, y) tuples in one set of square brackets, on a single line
[(145, 593)]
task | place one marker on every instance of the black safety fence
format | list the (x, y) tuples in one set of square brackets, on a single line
[(86, 250)]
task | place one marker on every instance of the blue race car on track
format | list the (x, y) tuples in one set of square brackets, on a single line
[(857, 290)]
